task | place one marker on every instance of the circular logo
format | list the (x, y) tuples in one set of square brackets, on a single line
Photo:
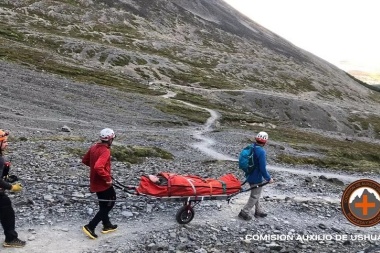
[(361, 203)]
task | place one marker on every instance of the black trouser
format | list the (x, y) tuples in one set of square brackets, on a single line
[(7, 218), (104, 207)]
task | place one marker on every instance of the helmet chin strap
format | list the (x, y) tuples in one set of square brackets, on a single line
[(260, 143)]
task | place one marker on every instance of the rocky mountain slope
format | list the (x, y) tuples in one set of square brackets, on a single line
[(166, 40)]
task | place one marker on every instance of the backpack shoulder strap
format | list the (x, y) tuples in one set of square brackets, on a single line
[(253, 148), (251, 158)]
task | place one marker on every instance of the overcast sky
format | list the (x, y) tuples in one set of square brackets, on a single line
[(343, 32)]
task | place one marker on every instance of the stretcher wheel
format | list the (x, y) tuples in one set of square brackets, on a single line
[(184, 215)]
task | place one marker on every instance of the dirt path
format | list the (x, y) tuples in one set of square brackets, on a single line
[(69, 237)]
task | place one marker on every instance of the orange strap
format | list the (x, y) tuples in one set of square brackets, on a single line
[(169, 186)]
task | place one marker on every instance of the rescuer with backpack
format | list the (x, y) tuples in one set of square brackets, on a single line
[(252, 161)]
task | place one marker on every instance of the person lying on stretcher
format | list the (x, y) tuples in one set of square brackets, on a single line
[(158, 180), (166, 184)]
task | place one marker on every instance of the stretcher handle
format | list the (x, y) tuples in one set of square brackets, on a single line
[(127, 188), (256, 186), (253, 187)]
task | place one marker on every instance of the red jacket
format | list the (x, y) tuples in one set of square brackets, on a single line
[(98, 158)]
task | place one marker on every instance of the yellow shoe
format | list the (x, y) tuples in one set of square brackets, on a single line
[(15, 243), (109, 228), (89, 232)]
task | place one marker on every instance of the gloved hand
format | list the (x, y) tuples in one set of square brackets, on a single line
[(16, 187), (6, 169), (11, 178)]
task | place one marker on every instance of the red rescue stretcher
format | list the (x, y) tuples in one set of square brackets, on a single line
[(189, 189)]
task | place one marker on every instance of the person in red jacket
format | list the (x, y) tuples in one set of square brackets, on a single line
[(98, 158)]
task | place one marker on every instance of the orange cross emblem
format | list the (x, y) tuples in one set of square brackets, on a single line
[(365, 204), (360, 202)]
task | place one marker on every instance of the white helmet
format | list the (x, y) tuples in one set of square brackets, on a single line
[(261, 137), (107, 134)]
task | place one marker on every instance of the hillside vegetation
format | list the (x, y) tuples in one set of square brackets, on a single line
[(211, 56)]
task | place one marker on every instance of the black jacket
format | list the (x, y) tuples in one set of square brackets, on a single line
[(3, 184)]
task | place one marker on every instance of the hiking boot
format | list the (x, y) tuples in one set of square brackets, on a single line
[(260, 215), (244, 216), (89, 232), (109, 228), (15, 243)]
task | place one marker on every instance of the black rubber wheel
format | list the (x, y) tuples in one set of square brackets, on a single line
[(184, 215)]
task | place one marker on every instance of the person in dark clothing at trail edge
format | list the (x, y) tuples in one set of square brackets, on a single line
[(256, 178), (98, 158), (7, 214)]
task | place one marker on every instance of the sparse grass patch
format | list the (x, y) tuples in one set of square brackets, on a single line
[(184, 111), (198, 100), (253, 78), (125, 30), (77, 152), (335, 153), (304, 84), (61, 138), (210, 63), (49, 43), (156, 75), (204, 78), (320, 162), (169, 123), (166, 53), (45, 61), (333, 92), (216, 82), (10, 33), (366, 122), (331, 162), (141, 61), (309, 148), (12, 138), (133, 154), (236, 119), (128, 154), (142, 73)]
